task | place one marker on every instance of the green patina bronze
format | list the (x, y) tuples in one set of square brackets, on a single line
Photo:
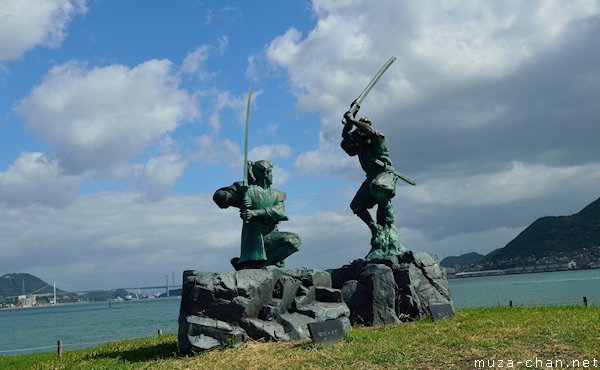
[(261, 208), (359, 138), (377, 189)]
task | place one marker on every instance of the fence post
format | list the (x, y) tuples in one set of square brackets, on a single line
[(58, 348), (585, 303), (510, 303)]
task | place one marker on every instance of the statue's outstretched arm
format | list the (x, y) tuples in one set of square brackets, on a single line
[(229, 196)]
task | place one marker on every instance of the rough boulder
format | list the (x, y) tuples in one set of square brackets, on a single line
[(393, 289), (225, 309)]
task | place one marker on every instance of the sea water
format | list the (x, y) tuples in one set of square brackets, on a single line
[(80, 325), (535, 289), (37, 329)]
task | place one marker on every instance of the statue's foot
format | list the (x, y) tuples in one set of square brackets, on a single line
[(375, 229), (375, 252), (385, 242)]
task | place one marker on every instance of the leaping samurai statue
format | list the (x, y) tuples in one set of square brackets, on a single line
[(261, 209), (360, 138)]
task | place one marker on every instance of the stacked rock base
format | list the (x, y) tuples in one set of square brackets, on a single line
[(225, 309), (393, 289)]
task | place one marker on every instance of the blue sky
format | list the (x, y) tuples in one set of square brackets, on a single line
[(119, 120)]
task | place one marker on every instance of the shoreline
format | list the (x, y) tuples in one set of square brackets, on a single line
[(513, 271), (109, 302)]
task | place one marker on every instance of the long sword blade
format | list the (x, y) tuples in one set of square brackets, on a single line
[(372, 83), (246, 138)]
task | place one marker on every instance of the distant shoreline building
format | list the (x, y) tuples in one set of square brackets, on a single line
[(27, 300)]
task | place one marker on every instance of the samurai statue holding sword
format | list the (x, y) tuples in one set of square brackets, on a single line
[(360, 138), (377, 189), (261, 208)]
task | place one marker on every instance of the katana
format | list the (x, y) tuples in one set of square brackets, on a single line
[(245, 178), (245, 182), (251, 230), (356, 103)]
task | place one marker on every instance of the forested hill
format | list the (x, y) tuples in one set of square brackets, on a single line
[(12, 284), (554, 235), (463, 260)]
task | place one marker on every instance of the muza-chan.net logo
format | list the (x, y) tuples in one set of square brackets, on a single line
[(537, 363)]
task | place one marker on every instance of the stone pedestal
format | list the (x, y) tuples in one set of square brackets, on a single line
[(224, 309), (392, 289)]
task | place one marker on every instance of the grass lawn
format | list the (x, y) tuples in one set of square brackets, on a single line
[(546, 337)]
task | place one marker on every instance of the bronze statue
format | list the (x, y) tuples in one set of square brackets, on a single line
[(261, 208), (360, 138)]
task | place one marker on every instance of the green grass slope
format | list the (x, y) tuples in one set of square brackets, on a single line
[(499, 334)]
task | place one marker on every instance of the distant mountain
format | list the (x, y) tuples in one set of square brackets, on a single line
[(554, 235), (462, 260), (11, 285), (14, 284)]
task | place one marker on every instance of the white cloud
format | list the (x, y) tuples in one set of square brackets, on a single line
[(110, 239), (334, 238), (222, 101), (517, 183), (193, 61), (214, 151), (482, 242), (270, 152), (225, 100), (209, 16), (25, 24), (151, 239), (223, 44), (284, 48), (253, 69), (513, 198), (324, 161), (160, 174), (272, 129), (35, 178), (96, 120), (490, 40), (445, 50), (280, 176)]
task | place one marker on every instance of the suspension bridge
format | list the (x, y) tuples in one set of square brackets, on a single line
[(29, 298)]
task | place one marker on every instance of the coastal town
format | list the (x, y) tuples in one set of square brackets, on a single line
[(585, 258)]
